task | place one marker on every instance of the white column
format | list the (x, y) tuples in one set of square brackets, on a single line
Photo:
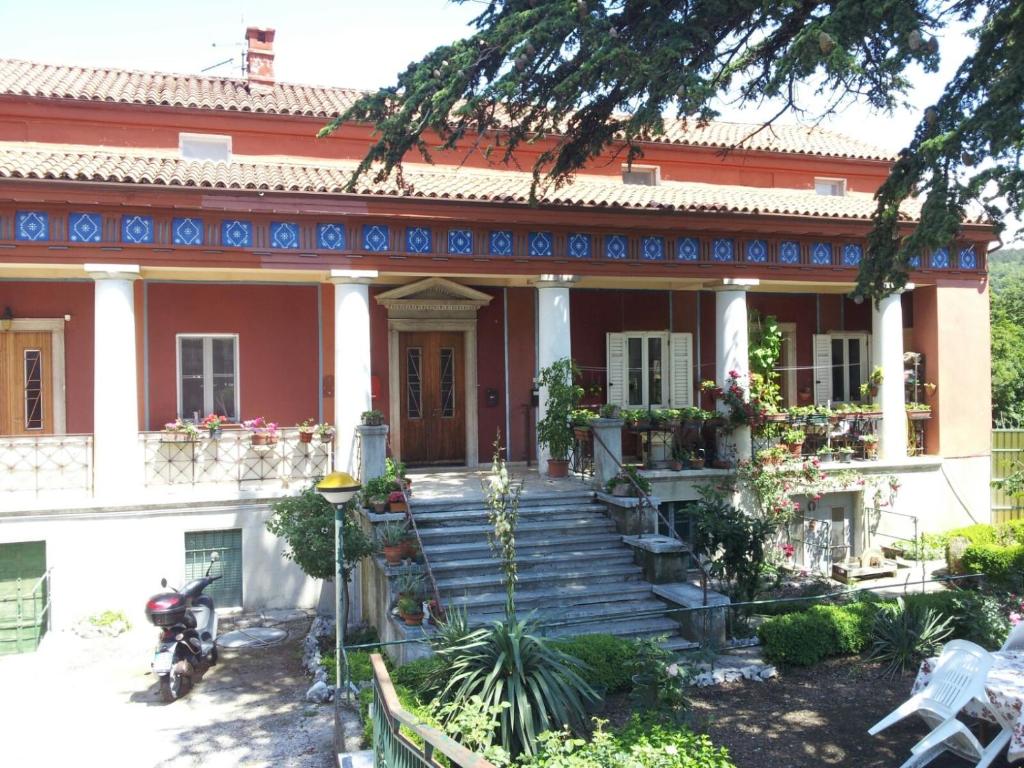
[(352, 387), (117, 459), (887, 353), (732, 352), (554, 341)]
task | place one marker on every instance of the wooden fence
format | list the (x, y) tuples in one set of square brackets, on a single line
[(1007, 457)]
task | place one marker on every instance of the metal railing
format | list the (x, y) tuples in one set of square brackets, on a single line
[(233, 459), (394, 730), (36, 464), (36, 620)]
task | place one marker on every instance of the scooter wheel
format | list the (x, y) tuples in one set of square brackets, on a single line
[(177, 682), (213, 655)]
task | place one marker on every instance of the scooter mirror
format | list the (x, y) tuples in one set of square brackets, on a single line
[(214, 557), (163, 582)]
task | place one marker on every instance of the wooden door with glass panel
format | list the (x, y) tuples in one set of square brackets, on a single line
[(431, 399), (26, 402)]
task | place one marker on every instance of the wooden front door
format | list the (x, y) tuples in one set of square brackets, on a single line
[(432, 403), (26, 376)]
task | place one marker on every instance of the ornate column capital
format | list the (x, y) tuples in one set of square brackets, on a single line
[(554, 281), (732, 284), (350, 276), (113, 271)]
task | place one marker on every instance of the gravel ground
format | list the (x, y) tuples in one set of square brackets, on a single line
[(95, 702)]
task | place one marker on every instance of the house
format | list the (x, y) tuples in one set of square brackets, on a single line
[(177, 245)]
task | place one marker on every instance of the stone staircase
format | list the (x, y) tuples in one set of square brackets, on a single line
[(573, 566)]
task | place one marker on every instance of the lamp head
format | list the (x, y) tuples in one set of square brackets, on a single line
[(338, 487)]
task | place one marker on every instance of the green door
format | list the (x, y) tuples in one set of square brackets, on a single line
[(23, 596), (227, 591)]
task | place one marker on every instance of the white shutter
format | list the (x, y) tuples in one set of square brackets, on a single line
[(681, 382), (822, 368), (616, 357)]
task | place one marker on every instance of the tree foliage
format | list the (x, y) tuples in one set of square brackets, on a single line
[(592, 75), (1007, 309)]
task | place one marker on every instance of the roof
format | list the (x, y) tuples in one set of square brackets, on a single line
[(58, 81), (163, 167)]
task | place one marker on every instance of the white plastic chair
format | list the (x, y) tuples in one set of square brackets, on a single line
[(958, 679), (1015, 640)]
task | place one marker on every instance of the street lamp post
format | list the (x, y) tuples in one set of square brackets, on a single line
[(338, 488)]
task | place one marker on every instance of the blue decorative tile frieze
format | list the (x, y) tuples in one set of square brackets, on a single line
[(330, 237), (939, 259), (789, 252), (501, 243), (460, 241), (85, 227), (419, 240), (757, 251), (652, 248), (852, 254), (376, 238), (540, 244), (968, 258), (236, 234), (137, 230), (284, 234), (687, 249), (616, 247), (31, 225), (722, 249), (187, 231), (580, 245), (914, 261), (821, 254)]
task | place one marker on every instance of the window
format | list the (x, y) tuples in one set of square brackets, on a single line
[(33, 389), (207, 376), (649, 369), (204, 146), (227, 591), (841, 365), (830, 187), (642, 175)]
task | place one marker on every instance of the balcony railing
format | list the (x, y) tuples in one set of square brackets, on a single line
[(37, 464), (233, 460)]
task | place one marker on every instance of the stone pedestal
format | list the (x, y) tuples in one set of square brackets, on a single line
[(663, 558), (373, 451), (607, 457), (706, 625), (630, 518)]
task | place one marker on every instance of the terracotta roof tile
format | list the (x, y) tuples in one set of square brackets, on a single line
[(318, 176), (57, 81)]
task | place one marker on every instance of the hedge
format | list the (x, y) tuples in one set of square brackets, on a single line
[(803, 639), (974, 617), (990, 538), (607, 660), (1001, 564)]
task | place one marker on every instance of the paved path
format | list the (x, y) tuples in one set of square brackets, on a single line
[(93, 702)]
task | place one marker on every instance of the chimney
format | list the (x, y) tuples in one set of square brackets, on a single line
[(259, 57)]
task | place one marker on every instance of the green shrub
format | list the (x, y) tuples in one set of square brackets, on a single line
[(1001, 564), (424, 677), (904, 633), (607, 660), (803, 639), (972, 616)]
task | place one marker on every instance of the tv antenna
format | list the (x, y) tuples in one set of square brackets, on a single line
[(228, 60)]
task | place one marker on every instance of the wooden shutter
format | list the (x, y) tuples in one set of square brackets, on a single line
[(822, 368), (616, 359), (681, 382)]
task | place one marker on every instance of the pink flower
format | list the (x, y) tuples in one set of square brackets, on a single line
[(1015, 618)]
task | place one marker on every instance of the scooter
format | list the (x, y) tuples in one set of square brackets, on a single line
[(188, 634)]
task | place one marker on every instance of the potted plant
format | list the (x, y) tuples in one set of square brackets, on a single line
[(678, 459), (772, 456), (870, 446), (324, 432), (410, 584), (554, 431), (306, 430), (378, 504), (263, 432), (410, 546), (845, 454), (581, 418), (918, 411), (213, 424), (396, 502), (794, 439), (411, 611), (372, 418), (869, 389), (825, 453), (626, 483), (391, 535), (179, 431), (696, 459), (610, 411)]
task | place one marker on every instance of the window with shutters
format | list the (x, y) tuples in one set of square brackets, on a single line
[(649, 369), (841, 365)]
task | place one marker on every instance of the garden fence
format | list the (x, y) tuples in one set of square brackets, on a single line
[(1007, 457)]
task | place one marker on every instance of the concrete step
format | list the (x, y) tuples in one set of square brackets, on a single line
[(478, 516), (526, 501), (585, 574), (543, 597), (572, 614), (592, 543), (566, 559), (525, 532), (646, 627)]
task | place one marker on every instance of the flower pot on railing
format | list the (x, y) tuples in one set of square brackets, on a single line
[(179, 431), (264, 438), (305, 437), (263, 432)]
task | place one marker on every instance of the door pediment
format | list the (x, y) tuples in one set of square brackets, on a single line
[(433, 297)]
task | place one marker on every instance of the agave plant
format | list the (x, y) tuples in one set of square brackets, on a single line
[(904, 634), (506, 662)]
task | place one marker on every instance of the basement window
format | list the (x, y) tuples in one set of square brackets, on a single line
[(830, 187), (641, 175), (204, 146)]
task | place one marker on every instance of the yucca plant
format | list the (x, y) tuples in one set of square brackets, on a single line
[(904, 634), (507, 662)]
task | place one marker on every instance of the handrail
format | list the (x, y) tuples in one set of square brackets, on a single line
[(395, 716)]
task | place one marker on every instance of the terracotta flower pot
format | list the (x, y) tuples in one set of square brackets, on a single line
[(393, 554), (380, 507), (412, 619), (398, 506), (558, 467), (676, 465), (696, 463), (305, 437), (409, 549), (795, 449)]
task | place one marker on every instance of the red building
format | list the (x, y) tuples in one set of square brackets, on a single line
[(174, 245)]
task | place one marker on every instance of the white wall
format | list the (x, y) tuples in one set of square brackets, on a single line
[(114, 559)]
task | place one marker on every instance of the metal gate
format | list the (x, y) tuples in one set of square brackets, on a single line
[(1007, 457), (24, 596), (226, 592)]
